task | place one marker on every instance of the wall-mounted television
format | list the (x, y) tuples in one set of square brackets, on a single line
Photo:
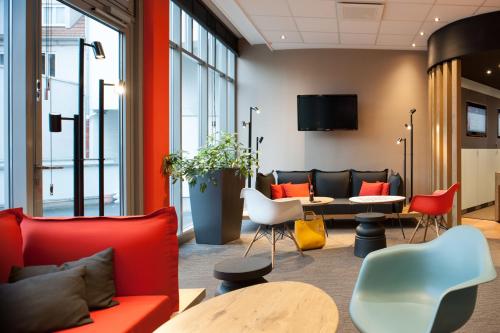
[(476, 120), (327, 112)]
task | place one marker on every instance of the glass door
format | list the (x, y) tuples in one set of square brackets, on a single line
[(63, 27)]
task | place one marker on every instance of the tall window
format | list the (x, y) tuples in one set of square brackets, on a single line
[(59, 64), (202, 97), (4, 106)]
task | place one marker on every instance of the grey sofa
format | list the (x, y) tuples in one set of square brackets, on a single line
[(340, 185)]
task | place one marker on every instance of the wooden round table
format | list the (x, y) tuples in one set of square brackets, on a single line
[(274, 307)]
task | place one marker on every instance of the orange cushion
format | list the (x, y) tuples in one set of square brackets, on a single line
[(370, 189), (277, 191), (133, 314), (296, 190)]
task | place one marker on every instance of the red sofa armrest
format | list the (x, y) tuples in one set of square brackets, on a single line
[(146, 248)]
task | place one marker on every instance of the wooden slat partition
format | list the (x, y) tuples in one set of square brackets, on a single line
[(444, 109)]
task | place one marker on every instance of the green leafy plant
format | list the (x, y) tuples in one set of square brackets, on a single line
[(224, 152)]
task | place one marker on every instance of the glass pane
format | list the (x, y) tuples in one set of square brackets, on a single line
[(191, 118), (213, 112), (60, 96), (231, 99), (211, 49), (186, 32), (221, 101), (231, 63), (221, 55), (199, 41), (3, 104), (175, 23)]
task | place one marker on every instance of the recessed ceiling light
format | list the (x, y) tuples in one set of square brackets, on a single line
[(413, 44), (283, 37), (488, 72), (421, 33), (436, 19)]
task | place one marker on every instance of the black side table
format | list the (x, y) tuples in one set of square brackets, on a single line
[(370, 234), (239, 273)]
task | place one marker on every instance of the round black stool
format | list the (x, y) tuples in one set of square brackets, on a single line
[(370, 234), (239, 273)]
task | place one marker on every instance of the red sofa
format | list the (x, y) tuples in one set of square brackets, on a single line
[(146, 260)]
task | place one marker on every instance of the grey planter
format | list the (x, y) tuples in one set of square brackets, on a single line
[(217, 211)]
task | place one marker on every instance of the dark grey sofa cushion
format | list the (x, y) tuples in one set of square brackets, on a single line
[(99, 277), (294, 177), (368, 176), (263, 183), (333, 184), (44, 303)]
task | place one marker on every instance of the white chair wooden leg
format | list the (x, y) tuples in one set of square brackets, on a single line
[(253, 241), (290, 232), (416, 229), (437, 226), (273, 243), (426, 227)]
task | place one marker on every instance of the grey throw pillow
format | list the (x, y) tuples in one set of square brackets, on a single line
[(44, 303), (99, 280)]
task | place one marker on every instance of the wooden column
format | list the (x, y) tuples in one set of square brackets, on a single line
[(445, 108)]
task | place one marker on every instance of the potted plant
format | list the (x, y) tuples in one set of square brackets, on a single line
[(216, 175)]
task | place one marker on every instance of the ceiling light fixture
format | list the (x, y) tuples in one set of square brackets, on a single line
[(488, 72), (283, 37), (436, 19), (413, 44), (421, 33)]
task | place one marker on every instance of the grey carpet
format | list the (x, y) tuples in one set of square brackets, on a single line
[(487, 213), (333, 269)]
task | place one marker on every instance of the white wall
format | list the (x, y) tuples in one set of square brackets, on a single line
[(388, 85), (478, 176)]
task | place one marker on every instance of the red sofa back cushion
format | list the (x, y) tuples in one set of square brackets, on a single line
[(11, 242), (146, 248)]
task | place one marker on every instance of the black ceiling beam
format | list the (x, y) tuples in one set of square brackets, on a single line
[(206, 18)]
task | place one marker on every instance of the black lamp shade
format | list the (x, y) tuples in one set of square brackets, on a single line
[(98, 50), (55, 122)]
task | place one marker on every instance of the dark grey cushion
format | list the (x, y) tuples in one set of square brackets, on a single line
[(396, 184), (368, 176), (44, 303), (333, 184), (100, 283), (263, 183), (294, 177)]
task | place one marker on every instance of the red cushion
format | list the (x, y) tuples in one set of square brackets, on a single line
[(11, 242), (296, 190), (133, 314), (277, 191), (370, 189), (385, 189), (146, 248)]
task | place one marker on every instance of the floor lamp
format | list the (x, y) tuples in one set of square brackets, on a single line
[(120, 89), (410, 127), (398, 141), (79, 160), (249, 124)]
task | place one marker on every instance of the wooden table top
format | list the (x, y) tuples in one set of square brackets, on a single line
[(275, 307), (304, 201)]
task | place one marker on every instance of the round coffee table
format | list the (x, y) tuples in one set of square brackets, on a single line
[(370, 234), (277, 307), (238, 273)]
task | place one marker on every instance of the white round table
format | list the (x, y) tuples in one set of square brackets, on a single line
[(371, 200), (318, 201)]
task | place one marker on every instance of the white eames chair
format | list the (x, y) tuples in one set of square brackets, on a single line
[(272, 215)]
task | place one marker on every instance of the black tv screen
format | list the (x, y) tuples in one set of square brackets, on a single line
[(327, 112)]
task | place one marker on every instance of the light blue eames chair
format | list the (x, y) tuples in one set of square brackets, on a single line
[(420, 288)]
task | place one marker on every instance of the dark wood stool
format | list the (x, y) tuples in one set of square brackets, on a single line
[(240, 273), (370, 234)]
